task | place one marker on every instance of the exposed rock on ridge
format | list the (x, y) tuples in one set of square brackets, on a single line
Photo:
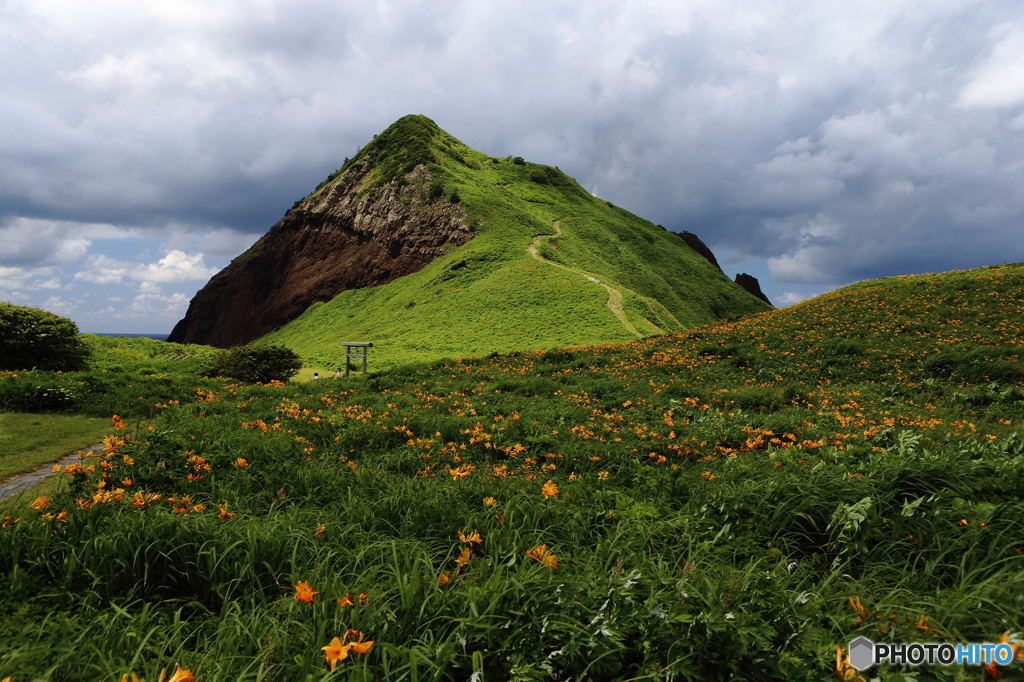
[(694, 242), (344, 236), (750, 283)]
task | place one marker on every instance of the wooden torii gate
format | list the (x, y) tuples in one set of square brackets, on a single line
[(350, 354)]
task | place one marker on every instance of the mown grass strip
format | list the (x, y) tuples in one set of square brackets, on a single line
[(30, 440)]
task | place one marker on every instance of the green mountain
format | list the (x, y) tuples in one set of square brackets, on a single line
[(446, 251)]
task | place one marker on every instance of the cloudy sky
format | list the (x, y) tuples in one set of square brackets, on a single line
[(811, 144)]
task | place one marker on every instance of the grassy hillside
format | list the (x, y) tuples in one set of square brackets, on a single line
[(492, 294), (731, 503)]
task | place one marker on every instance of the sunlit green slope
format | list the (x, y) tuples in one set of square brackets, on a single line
[(551, 265)]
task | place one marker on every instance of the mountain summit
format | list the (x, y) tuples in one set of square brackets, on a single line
[(370, 222), (431, 248)]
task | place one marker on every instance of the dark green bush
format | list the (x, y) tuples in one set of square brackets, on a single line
[(519, 161), (539, 176), (30, 337), (257, 363)]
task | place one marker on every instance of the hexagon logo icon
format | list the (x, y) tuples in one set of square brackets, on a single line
[(862, 653)]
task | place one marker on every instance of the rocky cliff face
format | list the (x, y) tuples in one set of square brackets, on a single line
[(346, 235), (750, 283)]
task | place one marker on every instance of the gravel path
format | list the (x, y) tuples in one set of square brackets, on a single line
[(25, 481)]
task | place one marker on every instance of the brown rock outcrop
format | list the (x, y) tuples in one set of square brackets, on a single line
[(750, 283), (346, 235), (694, 242)]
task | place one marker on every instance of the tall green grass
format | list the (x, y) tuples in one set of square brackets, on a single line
[(724, 498)]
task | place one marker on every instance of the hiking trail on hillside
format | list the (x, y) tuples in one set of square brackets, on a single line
[(614, 295)]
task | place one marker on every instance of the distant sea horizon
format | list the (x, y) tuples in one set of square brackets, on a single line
[(158, 337)]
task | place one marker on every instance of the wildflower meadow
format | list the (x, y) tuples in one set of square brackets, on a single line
[(736, 502)]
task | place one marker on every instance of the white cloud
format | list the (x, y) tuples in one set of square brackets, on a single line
[(100, 269), (14, 297), (801, 266), (33, 242), (999, 81), (789, 298), (176, 266), (149, 304), (41, 243), (22, 278), (59, 306)]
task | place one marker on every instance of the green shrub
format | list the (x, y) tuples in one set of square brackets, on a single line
[(257, 363), (30, 337), (539, 176), (519, 161)]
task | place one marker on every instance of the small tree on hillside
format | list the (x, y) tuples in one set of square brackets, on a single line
[(33, 338), (258, 363)]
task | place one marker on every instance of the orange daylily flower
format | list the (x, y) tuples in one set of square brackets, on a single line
[(359, 646), (862, 611), (991, 667), (471, 538), (339, 647), (336, 651), (549, 489), (40, 503), (346, 600), (180, 675), (540, 553), (490, 501), (445, 577), (116, 422), (844, 671), (464, 557), (303, 592), (1016, 645)]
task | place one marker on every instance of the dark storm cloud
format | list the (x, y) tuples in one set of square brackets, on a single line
[(834, 140)]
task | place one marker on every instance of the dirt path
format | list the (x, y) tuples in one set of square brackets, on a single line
[(614, 295)]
